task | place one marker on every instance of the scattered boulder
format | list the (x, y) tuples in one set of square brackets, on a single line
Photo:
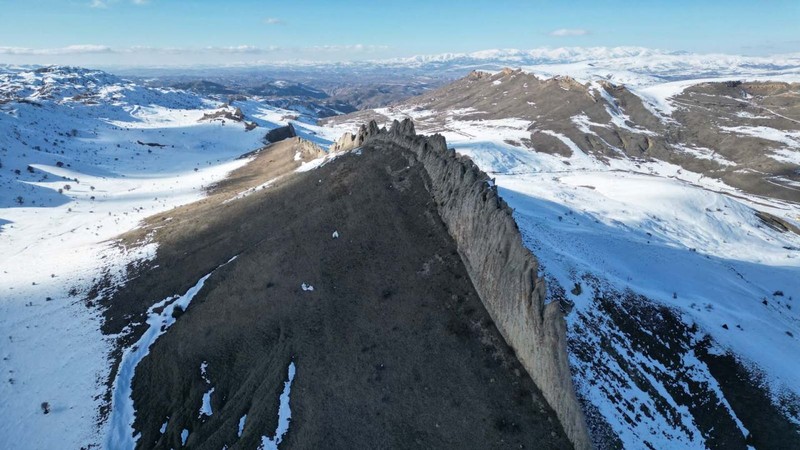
[(280, 134), (776, 223)]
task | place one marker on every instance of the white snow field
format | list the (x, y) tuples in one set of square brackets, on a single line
[(683, 240), (86, 174)]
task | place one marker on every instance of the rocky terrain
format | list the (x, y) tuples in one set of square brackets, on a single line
[(694, 126), (316, 95), (634, 230), (348, 273), (84, 157), (570, 263)]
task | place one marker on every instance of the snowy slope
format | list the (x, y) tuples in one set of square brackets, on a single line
[(652, 234), (86, 156)]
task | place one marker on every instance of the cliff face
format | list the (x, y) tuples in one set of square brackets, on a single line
[(502, 269)]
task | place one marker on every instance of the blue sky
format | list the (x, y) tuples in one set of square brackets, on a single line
[(221, 32)]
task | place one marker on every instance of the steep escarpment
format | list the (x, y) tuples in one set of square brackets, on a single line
[(502, 269), (346, 277)]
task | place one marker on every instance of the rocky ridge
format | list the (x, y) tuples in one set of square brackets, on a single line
[(503, 270)]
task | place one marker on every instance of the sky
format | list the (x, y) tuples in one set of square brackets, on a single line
[(213, 32)]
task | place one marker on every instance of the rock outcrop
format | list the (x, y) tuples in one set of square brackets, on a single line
[(308, 150), (235, 115), (502, 269), (280, 134), (229, 113), (776, 223), (349, 141)]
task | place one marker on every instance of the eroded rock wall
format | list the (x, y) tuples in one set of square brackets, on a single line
[(502, 269)]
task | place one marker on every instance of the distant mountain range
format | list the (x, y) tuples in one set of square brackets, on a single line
[(624, 64)]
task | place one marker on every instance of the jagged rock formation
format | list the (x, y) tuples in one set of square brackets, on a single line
[(280, 133), (308, 150), (235, 115), (502, 269), (349, 141)]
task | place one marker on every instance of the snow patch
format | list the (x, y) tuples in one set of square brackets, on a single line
[(284, 415), (160, 317), (242, 422), (790, 139), (205, 408)]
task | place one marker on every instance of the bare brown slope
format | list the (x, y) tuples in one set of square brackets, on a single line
[(393, 347)]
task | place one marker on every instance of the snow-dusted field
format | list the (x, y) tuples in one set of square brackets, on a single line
[(79, 140)]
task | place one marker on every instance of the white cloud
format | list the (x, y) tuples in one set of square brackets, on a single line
[(562, 32), (68, 50), (249, 49), (234, 49), (103, 4), (274, 21), (347, 48), (98, 55)]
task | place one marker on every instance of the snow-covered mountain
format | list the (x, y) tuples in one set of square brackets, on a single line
[(631, 65), (85, 157), (682, 326), (165, 280), (644, 63)]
